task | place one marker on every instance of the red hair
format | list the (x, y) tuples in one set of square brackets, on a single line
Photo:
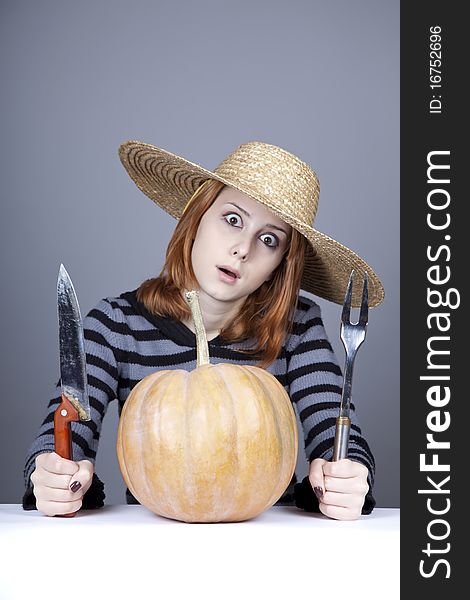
[(267, 313)]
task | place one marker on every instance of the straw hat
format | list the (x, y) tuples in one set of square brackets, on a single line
[(280, 181)]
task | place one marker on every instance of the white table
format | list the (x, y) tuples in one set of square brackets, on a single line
[(130, 553)]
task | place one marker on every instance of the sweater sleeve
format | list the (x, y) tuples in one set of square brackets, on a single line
[(315, 386), (99, 328)]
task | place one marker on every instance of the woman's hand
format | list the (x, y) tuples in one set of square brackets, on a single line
[(52, 480), (340, 486)]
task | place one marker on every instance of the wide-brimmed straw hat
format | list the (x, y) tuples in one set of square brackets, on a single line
[(279, 180)]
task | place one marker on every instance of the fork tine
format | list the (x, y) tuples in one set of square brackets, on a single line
[(364, 313), (345, 315)]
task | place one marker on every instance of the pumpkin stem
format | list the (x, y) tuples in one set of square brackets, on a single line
[(202, 347)]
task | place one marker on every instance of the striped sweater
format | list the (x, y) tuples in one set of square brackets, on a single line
[(124, 342)]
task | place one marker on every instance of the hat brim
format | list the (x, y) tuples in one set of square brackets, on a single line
[(170, 181)]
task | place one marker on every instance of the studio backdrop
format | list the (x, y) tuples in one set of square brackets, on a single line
[(318, 78)]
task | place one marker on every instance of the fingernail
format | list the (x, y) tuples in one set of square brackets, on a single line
[(318, 492), (75, 486)]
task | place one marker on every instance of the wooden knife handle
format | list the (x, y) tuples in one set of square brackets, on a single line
[(63, 415)]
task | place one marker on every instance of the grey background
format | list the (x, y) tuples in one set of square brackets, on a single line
[(318, 78)]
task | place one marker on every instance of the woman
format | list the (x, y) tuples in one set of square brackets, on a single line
[(244, 239)]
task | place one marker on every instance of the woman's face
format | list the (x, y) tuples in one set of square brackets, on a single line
[(239, 234)]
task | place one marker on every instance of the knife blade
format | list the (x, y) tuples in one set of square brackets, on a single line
[(75, 404)]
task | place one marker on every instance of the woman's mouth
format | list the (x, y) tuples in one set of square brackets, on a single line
[(226, 275)]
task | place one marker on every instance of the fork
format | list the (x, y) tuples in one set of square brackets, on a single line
[(352, 336)]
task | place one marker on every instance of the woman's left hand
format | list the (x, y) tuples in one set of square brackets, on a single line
[(340, 486)]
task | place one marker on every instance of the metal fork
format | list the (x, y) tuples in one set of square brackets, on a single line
[(352, 336)]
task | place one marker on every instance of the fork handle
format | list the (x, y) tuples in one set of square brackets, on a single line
[(340, 450)]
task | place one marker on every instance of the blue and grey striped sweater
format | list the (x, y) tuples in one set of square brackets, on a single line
[(124, 342)]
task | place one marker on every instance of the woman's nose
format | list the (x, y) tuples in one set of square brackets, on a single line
[(238, 254), (241, 249)]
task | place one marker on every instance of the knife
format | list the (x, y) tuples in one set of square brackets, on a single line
[(75, 404)]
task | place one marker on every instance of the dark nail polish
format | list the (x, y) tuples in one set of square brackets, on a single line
[(75, 486), (318, 492)]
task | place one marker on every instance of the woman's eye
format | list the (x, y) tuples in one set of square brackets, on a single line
[(233, 219), (270, 240)]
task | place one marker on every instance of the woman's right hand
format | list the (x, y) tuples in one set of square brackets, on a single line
[(52, 480)]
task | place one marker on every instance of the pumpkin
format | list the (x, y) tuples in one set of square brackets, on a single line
[(218, 443)]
